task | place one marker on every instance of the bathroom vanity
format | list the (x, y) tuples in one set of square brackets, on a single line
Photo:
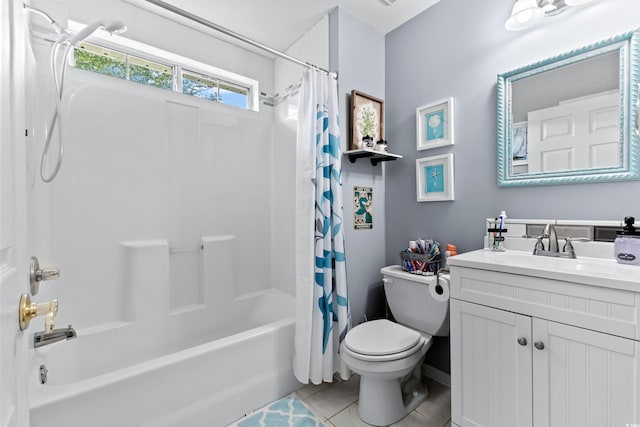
[(541, 341)]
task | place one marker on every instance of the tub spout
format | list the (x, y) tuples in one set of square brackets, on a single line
[(41, 339)]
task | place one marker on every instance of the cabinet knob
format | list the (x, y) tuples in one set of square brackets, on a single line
[(522, 341), (539, 345)]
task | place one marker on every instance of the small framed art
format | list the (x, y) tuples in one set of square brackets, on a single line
[(434, 124), (362, 208), (434, 178), (367, 120)]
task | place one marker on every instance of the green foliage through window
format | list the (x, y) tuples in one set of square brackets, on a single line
[(123, 66), (199, 86), (110, 66), (215, 90), (110, 62)]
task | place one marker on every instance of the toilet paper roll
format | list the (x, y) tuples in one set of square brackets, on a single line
[(440, 291)]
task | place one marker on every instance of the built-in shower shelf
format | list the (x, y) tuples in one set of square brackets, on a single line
[(374, 156)]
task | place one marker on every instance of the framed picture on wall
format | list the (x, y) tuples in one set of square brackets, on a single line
[(434, 124), (362, 208), (434, 178), (367, 120)]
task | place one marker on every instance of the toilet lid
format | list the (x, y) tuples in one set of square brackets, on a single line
[(380, 337)]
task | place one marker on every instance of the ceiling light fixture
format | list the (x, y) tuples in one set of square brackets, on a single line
[(389, 2), (552, 7), (526, 13)]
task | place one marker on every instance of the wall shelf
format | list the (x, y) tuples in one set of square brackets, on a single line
[(374, 156)]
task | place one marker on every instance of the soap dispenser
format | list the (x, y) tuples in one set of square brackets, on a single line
[(627, 243)]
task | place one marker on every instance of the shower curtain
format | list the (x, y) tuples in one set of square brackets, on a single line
[(322, 307)]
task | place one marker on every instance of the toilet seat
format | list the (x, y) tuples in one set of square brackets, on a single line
[(383, 340)]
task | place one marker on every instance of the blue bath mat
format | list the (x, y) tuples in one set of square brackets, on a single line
[(286, 412)]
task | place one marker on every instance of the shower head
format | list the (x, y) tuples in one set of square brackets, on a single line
[(112, 27), (61, 31)]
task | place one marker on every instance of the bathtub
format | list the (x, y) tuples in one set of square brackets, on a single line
[(210, 384)]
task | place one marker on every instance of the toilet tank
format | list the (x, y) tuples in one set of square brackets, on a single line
[(411, 302)]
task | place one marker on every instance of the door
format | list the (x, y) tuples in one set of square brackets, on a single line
[(584, 378), (14, 274), (580, 133), (490, 366)]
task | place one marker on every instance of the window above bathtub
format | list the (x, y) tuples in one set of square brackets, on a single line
[(126, 59), (99, 59)]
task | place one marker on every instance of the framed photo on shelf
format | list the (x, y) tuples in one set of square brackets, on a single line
[(434, 178), (367, 119), (434, 124)]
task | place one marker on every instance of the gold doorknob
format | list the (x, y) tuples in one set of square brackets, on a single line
[(28, 310)]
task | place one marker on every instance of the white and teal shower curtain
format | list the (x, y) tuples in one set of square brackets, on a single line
[(322, 306)]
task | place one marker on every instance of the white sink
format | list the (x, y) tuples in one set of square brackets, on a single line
[(590, 271)]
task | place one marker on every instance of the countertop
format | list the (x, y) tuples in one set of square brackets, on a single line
[(585, 270)]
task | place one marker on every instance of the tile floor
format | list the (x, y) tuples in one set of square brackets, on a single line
[(336, 404)]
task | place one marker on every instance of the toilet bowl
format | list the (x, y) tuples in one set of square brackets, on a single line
[(384, 368), (388, 355)]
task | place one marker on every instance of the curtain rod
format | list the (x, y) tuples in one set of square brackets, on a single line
[(233, 34)]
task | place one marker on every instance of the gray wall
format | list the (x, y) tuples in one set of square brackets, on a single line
[(456, 49), (357, 53)]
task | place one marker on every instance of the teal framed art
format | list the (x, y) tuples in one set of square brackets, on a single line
[(434, 178), (434, 125)]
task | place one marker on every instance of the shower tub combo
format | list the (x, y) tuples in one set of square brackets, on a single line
[(168, 220)]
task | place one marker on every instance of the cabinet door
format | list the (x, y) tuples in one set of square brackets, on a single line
[(584, 378), (490, 369)]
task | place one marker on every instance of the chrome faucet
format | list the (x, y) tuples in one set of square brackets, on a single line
[(553, 248), (41, 339)]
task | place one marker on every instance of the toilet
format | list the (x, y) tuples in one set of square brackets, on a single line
[(388, 355)]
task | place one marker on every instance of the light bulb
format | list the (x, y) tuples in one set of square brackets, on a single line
[(524, 14)]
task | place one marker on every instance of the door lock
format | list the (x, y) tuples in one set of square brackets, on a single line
[(38, 274)]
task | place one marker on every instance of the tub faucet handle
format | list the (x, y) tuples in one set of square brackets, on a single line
[(28, 310)]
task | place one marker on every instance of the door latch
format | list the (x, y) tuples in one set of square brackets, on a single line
[(38, 274)]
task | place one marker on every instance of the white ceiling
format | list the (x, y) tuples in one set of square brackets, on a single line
[(279, 23)]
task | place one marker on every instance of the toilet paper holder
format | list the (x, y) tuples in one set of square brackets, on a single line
[(440, 290), (442, 270)]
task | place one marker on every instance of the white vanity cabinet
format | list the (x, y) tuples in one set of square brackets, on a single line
[(537, 351)]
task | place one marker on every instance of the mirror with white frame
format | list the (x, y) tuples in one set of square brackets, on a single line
[(571, 118)]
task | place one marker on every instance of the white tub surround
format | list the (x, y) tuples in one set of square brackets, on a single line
[(540, 341), (154, 221)]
